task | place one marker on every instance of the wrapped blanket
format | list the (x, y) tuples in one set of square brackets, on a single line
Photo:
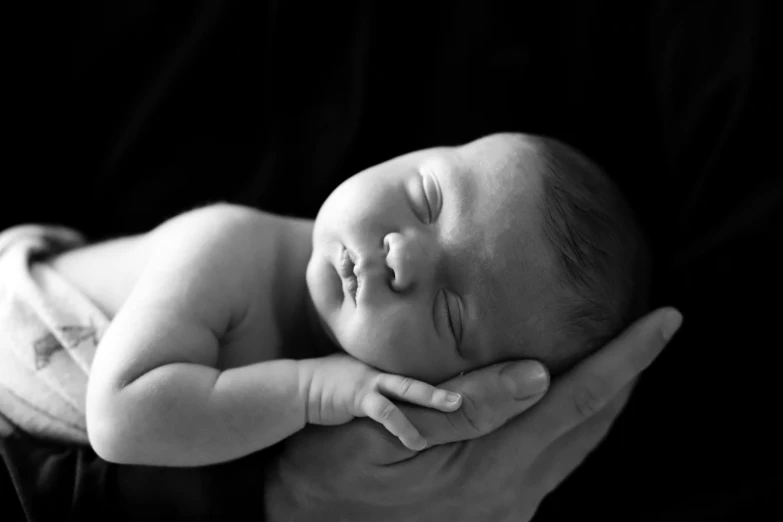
[(48, 335)]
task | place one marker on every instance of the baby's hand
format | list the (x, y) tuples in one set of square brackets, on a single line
[(342, 387)]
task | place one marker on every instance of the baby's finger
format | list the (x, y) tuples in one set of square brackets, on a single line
[(382, 410), (417, 392)]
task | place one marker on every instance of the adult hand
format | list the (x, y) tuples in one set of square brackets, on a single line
[(494, 459)]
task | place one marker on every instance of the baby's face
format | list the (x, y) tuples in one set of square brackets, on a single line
[(433, 263)]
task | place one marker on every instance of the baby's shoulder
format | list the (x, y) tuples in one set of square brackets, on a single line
[(214, 258), (220, 230), (221, 217)]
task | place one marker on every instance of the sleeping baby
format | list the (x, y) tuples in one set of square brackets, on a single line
[(233, 328)]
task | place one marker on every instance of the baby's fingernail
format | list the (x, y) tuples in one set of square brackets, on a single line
[(453, 398)]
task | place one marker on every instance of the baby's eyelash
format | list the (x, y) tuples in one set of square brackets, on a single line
[(448, 314), (426, 199)]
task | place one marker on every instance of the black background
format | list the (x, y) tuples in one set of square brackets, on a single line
[(133, 111)]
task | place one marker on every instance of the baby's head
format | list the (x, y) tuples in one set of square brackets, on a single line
[(511, 246)]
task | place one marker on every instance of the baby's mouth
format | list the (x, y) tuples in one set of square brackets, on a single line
[(345, 266)]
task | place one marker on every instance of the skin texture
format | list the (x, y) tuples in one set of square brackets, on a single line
[(496, 458), (452, 269)]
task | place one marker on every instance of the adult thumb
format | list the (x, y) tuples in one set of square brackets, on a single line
[(491, 396)]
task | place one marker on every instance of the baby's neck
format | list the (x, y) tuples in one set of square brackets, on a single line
[(303, 334)]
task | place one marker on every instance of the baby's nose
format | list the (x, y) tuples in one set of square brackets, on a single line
[(408, 260)]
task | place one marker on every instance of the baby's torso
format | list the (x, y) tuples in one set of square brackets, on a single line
[(276, 288), (258, 338)]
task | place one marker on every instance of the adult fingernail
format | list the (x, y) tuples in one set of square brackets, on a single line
[(525, 379), (419, 444), (671, 324)]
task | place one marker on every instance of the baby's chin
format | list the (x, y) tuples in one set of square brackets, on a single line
[(331, 344), (327, 338)]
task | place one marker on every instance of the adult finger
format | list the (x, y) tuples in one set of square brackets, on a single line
[(417, 392), (490, 397), (565, 454), (591, 385)]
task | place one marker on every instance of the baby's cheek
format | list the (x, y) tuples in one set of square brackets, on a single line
[(366, 339), (398, 344)]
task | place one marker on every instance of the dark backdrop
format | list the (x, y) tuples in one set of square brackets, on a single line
[(145, 109)]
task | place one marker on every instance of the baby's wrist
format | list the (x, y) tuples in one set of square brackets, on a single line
[(307, 369)]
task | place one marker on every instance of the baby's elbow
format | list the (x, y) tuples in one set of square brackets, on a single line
[(108, 433), (106, 445), (107, 442)]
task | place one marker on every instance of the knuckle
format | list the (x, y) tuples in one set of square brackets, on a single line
[(591, 396), (478, 417), (369, 404), (386, 412), (405, 385)]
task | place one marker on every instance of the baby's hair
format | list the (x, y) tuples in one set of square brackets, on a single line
[(602, 254)]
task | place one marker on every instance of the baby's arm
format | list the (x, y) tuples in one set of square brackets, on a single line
[(155, 395)]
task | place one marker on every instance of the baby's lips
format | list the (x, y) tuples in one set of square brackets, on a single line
[(345, 264)]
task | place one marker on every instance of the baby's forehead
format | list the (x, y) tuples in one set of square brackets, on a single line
[(506, 164), (507, 172)]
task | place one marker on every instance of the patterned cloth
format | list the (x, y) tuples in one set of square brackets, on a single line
[(48, 335)]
